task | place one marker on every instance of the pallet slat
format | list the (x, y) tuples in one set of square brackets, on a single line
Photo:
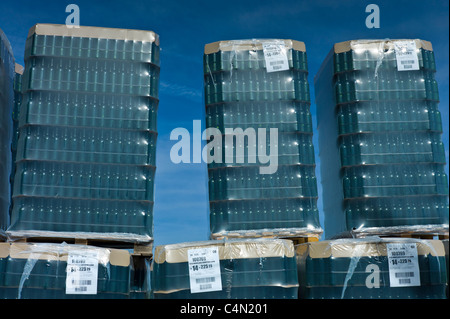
[(137, 249), (410, 235)]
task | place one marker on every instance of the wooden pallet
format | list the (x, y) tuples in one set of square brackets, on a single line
[(421, 236), (303, 240), (137, 249), (419, 232), (410, 235), (297, 238)]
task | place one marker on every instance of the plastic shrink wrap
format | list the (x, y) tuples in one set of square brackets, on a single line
[(63, 271), (372, 268), (260, 85), (225, 269), (381, 154), (15, 119), (85, 161), (6, 128)]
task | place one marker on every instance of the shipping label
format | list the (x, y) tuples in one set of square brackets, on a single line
[(204, 269), (82, 272), (403, 264)]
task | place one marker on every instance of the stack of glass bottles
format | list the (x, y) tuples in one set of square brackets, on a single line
[(384, 125), (363, 269), (85, 158), (39, 271), (242, 94), (249, 269), (6, 128), (15, 117)]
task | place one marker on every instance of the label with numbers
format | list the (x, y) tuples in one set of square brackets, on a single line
[(204, 269), (403, 264), (275, 55), (82, 272), (406, 55)]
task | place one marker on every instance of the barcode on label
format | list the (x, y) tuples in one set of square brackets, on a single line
[(404, 274), (205, 280), (205, 286), (404, 268), (276, 62), (82, 282), (406, 56)]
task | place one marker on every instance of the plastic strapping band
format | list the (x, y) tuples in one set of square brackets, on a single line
[(228, 284), (351, 268), (380, 57), (210, 73), (29, 265), (36, 251)]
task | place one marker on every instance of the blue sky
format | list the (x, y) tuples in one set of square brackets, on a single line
[(184, 27)]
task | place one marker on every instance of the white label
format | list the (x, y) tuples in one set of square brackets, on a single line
[(406, 55), (82, 272), (204, 269), (403, 264), (275, 55)]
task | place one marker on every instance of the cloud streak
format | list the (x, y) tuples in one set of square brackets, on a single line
[(180, 90)]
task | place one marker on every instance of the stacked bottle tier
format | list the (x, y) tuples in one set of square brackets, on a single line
[(291, 149), (47, 280), (394, 211), (391, 147), (91, 198), (286, 116), (89, 110), (257, 85), (91, 75), (249, 60), (328, 278), (86, 215), (80, 144), (247, 278), (388, 84), (394, 180), (382, 116), (289, 181), (368, 59), (289, 215), (84, 180), (92, 48)]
